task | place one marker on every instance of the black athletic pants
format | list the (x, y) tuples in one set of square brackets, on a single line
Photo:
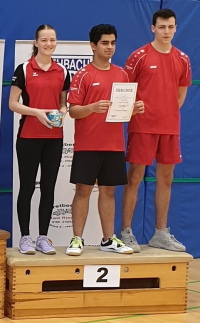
[(31, 153)]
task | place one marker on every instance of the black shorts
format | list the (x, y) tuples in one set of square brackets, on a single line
[(107, 167)]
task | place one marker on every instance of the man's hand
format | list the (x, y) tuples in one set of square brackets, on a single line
[(138, 107), (63, 110), (101, 106)]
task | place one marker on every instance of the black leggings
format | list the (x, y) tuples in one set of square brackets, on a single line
[(31, 153)]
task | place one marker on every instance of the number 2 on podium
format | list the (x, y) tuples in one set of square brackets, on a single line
[(105, 272), (101, 276)]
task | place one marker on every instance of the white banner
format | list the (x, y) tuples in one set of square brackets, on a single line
[(73, 55), (2, 47)]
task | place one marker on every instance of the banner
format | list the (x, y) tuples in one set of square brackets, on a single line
[(73, 55), (2, 47)]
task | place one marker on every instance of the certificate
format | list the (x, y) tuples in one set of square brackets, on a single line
[(122, 98)]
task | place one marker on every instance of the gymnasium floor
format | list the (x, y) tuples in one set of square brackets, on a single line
[(192, 315)]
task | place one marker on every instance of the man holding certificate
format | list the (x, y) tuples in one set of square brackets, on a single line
[(163, 75), (99, 144)]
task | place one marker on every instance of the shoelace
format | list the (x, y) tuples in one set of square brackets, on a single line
[(76, 242), (47, 241), (118, 241), (27, 240), (132, 239), (172, 238)]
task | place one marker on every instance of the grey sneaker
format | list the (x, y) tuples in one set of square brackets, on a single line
[(45, 245), (164, 240), (26, 245), (129, 239)]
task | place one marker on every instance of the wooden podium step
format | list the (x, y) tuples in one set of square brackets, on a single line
[(95, 283), (4, 236)]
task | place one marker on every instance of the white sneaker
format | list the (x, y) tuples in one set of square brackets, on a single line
[(113, 244), (164, 240), (76, 246), (26, 245), (129, 239)]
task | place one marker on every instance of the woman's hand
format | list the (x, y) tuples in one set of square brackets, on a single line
[(42, 117)]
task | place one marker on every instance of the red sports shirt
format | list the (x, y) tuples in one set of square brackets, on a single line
[(41, 90), (159, 75), (93, 133)]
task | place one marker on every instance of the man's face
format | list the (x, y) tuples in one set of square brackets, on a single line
[(164, 30), (105, 47)]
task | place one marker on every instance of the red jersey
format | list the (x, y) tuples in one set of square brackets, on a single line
[(41, 90), (159, 75), (93, 133)]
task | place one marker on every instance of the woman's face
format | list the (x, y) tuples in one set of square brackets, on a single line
[(46, 42)]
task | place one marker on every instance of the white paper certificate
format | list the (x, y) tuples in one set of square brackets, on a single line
[(122, 97)]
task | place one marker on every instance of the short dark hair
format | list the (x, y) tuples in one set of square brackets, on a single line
[(163, 13), (99, 30), (41, 27)]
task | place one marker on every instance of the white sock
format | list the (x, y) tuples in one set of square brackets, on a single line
[(78, 237), (165, 230)]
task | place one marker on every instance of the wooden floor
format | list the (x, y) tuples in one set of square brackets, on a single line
[(192, 315)]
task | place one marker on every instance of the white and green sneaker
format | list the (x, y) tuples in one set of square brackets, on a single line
[(113, 244), (76, 246)]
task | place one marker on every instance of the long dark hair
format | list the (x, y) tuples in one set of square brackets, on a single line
[(41, 27)]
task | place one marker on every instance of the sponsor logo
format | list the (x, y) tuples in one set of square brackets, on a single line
[(35, 74), (67, 155), (153, 67), (129, 67), (61, 216), (73, 63)]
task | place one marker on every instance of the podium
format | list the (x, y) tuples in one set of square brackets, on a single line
[(3, 240), (153, 281)]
